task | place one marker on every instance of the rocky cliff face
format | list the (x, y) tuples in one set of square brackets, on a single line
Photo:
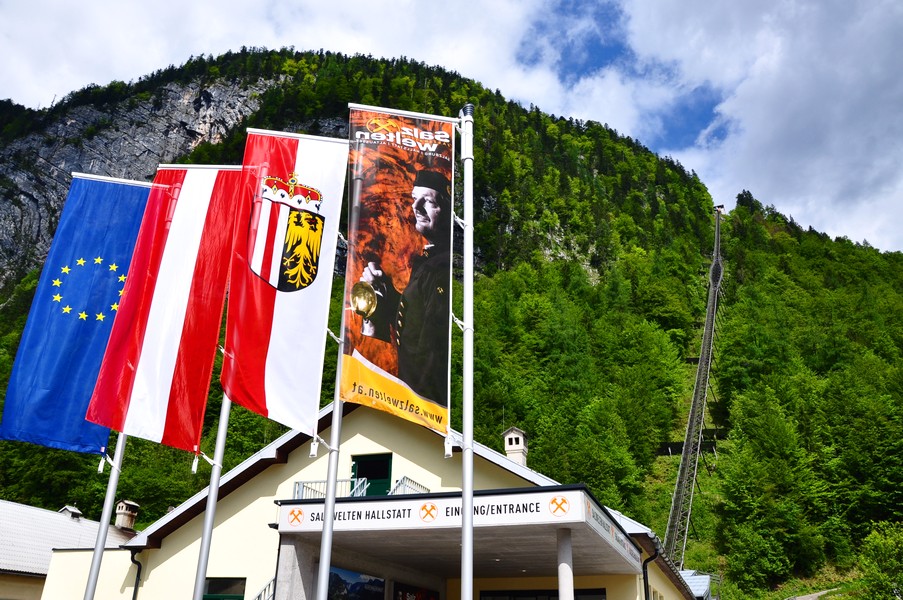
[(127, 140)]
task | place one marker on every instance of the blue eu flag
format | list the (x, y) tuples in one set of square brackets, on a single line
[(71, 316)]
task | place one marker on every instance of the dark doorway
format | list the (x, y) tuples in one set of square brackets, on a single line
[(377, 468)]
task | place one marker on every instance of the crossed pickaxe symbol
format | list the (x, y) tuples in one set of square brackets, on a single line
[(377, 125), (428, 512), (558, 505)]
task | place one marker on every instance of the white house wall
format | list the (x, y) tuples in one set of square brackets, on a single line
[(416, 453), (661, 584)]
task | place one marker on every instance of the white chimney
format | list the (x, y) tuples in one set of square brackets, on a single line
[(516, 445), (126, 513)]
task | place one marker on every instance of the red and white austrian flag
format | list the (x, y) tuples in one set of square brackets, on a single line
[(156, 370)]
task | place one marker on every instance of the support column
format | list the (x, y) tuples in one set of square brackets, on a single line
[(296, 569), (565, 565)]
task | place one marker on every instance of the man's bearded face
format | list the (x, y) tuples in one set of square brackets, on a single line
[(428, 213)]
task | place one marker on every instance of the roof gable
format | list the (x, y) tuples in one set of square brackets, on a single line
[(277, 452)]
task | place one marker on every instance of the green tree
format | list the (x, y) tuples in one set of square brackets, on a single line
[(881, 561)]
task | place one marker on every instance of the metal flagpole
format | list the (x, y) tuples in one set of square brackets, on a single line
[(329, 505), (467, 404), (335, 433), (107, 512), (212, 496)]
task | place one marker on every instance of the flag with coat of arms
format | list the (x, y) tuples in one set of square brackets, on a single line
[(286, 232)]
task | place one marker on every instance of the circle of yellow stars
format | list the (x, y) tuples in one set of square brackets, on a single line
[(83, 315)]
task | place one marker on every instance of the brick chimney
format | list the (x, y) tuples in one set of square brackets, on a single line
[(126, 513), (516, 445)]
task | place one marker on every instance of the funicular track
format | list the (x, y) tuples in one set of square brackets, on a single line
[(682, 501)]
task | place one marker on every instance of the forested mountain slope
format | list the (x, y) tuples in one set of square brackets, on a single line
[(591, 287)]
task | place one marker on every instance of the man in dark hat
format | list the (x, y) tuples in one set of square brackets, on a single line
[(417, 320), (432, 207)]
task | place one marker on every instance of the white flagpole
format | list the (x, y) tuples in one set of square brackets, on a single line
[(335, 433), (107, 513), (212, 496), (467, 404), (335, 437)]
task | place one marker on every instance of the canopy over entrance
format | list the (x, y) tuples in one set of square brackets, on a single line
[(515, 531)]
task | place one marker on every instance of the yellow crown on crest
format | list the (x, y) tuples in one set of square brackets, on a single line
[(292, 191)]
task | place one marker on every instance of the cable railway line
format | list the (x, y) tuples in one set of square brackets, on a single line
[(682, 500)]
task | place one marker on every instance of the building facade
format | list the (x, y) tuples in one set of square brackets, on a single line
[(397, 532)]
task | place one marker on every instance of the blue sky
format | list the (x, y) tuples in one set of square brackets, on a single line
[(797, 101)]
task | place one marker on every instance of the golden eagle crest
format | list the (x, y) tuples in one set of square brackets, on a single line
[(286, 233)]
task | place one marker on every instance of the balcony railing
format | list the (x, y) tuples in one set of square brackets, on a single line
[(268, 592), (344, 488), (354, 487), (406, 485)]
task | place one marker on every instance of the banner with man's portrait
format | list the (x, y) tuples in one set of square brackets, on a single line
[(398, 282)]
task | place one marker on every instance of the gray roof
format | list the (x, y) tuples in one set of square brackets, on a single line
[(29, 535), (630, 526), (700, 583)]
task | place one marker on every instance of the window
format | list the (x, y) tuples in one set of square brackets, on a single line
[(224, 588), (377, 468)]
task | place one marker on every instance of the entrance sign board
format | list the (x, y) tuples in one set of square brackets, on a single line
[(561, 507)]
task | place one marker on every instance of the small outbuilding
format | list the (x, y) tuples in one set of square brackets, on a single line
[(28, 538)]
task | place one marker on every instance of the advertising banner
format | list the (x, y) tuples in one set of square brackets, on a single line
[(412, 592), (398, 281)]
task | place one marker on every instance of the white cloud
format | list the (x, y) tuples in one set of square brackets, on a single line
[(716, 42), (812, 94), (629, 105), (79, 44)]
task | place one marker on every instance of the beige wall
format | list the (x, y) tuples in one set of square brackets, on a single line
[(68, 575), (661, 584), (243, 545), (418, 453), (18, 587), (617, 587)]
